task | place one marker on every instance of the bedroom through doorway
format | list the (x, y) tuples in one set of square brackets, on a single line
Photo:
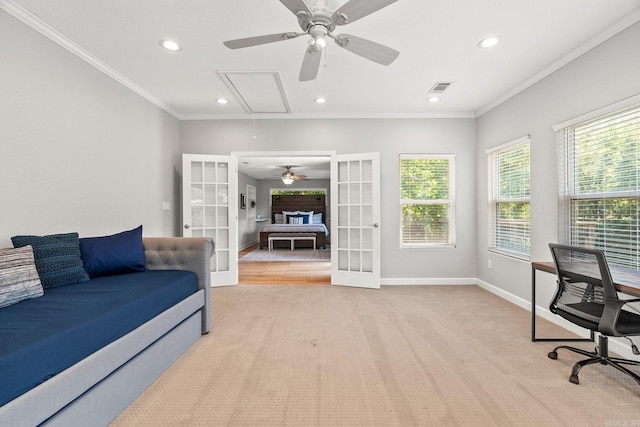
[(307, 195)]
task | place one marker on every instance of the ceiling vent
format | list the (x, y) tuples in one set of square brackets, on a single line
[(440, 87)]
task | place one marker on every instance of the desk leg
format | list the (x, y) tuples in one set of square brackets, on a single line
[(533, 316), (533, 304)]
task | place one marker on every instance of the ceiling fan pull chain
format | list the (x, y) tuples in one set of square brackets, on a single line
[(253, 109), (325, 57)]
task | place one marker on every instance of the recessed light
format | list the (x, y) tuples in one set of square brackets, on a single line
[(170, 45), (221, 101), (489, 41), (320, 100), (433, 99)]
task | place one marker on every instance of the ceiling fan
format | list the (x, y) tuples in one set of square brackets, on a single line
[(288, 177), (319, 22)]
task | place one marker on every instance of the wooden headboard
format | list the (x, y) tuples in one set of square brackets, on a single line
[(315, 203)]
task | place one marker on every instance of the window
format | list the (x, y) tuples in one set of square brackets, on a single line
[(427, 200), (509, 204), (600, 184)]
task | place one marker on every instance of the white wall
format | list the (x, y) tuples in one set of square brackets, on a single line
[(390, 137), (78, 151), (247, 229), (602, 76)]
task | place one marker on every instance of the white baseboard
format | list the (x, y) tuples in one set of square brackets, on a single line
[(427, 281), (246, 245)]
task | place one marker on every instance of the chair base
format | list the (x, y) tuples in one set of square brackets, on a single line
[(600, 355)]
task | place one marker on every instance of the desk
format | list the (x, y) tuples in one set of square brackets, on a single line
[(626, 280)]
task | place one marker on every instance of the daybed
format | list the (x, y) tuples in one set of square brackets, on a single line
[(95, 389)]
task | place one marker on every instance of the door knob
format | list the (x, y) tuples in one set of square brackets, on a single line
[(187, 226), (374, 225)]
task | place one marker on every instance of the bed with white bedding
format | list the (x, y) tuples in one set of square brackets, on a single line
[(284, 207)]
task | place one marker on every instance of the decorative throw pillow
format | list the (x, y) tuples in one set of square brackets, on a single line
[(57, 258), (317, 218), (298, 219), (19, 278), (116, 254), (278, 219), (287, 214), (295, 219)]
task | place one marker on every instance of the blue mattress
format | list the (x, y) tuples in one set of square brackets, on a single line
[(41, 337)]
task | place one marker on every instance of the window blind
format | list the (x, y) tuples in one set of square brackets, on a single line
[(600, 185), (426, 195), (509, 185)]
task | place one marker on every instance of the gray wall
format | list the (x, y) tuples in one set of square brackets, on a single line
[(602, 76), (390, 137), (79, 151)]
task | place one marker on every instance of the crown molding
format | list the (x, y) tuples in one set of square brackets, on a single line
[(611, 31), (463, 115), (40, 26)]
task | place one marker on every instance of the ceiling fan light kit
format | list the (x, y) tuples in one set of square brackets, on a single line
[(319, 23), (288, 177)]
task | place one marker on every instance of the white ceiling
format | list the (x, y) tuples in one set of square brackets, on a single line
[(437, 40), (272, 167)]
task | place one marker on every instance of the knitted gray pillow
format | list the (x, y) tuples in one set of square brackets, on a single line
[(57, 258), (19, 278)]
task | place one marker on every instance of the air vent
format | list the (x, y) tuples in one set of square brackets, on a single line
[(440, 87)]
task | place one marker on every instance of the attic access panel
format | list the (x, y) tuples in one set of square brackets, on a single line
[(259, 92)]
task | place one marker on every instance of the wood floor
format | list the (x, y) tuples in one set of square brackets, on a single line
[(283, 272)]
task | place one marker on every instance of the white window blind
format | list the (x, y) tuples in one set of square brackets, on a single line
[(600, 185), (509, 190), (427, 200)]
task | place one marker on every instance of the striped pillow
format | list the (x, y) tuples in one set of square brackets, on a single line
[(57, 258), (18, 276)]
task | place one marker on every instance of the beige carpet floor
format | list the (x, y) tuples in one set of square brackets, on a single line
[(399, 356)]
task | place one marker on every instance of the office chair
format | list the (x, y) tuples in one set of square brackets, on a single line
[(587, 297)]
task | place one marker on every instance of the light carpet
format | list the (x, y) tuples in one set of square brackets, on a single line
[(300, 254), (399, 356)]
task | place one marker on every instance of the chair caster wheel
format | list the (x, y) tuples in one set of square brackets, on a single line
[(553, 355), (574, 379)]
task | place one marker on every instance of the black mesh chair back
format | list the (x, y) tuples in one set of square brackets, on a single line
[(584, 281)]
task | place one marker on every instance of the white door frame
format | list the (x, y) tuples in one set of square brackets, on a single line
[(370, 280)]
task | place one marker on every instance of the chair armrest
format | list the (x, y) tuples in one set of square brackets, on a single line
[(609, 319), (184, 253)]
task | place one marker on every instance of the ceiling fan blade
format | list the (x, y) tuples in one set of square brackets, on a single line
[(310, 64), (296, 6), (356, 9), (258, 40), (367, 49)]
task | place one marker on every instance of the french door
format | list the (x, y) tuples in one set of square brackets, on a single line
[(210, 209), (355, 212)]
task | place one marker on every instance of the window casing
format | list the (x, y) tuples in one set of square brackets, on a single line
[(509, 198), (427, 200), (600, 185)]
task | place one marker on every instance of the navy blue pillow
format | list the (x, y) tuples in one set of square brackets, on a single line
[(116, 254), (57, 258)]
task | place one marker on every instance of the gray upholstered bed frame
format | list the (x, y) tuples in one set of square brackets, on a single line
[(95, 390)]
